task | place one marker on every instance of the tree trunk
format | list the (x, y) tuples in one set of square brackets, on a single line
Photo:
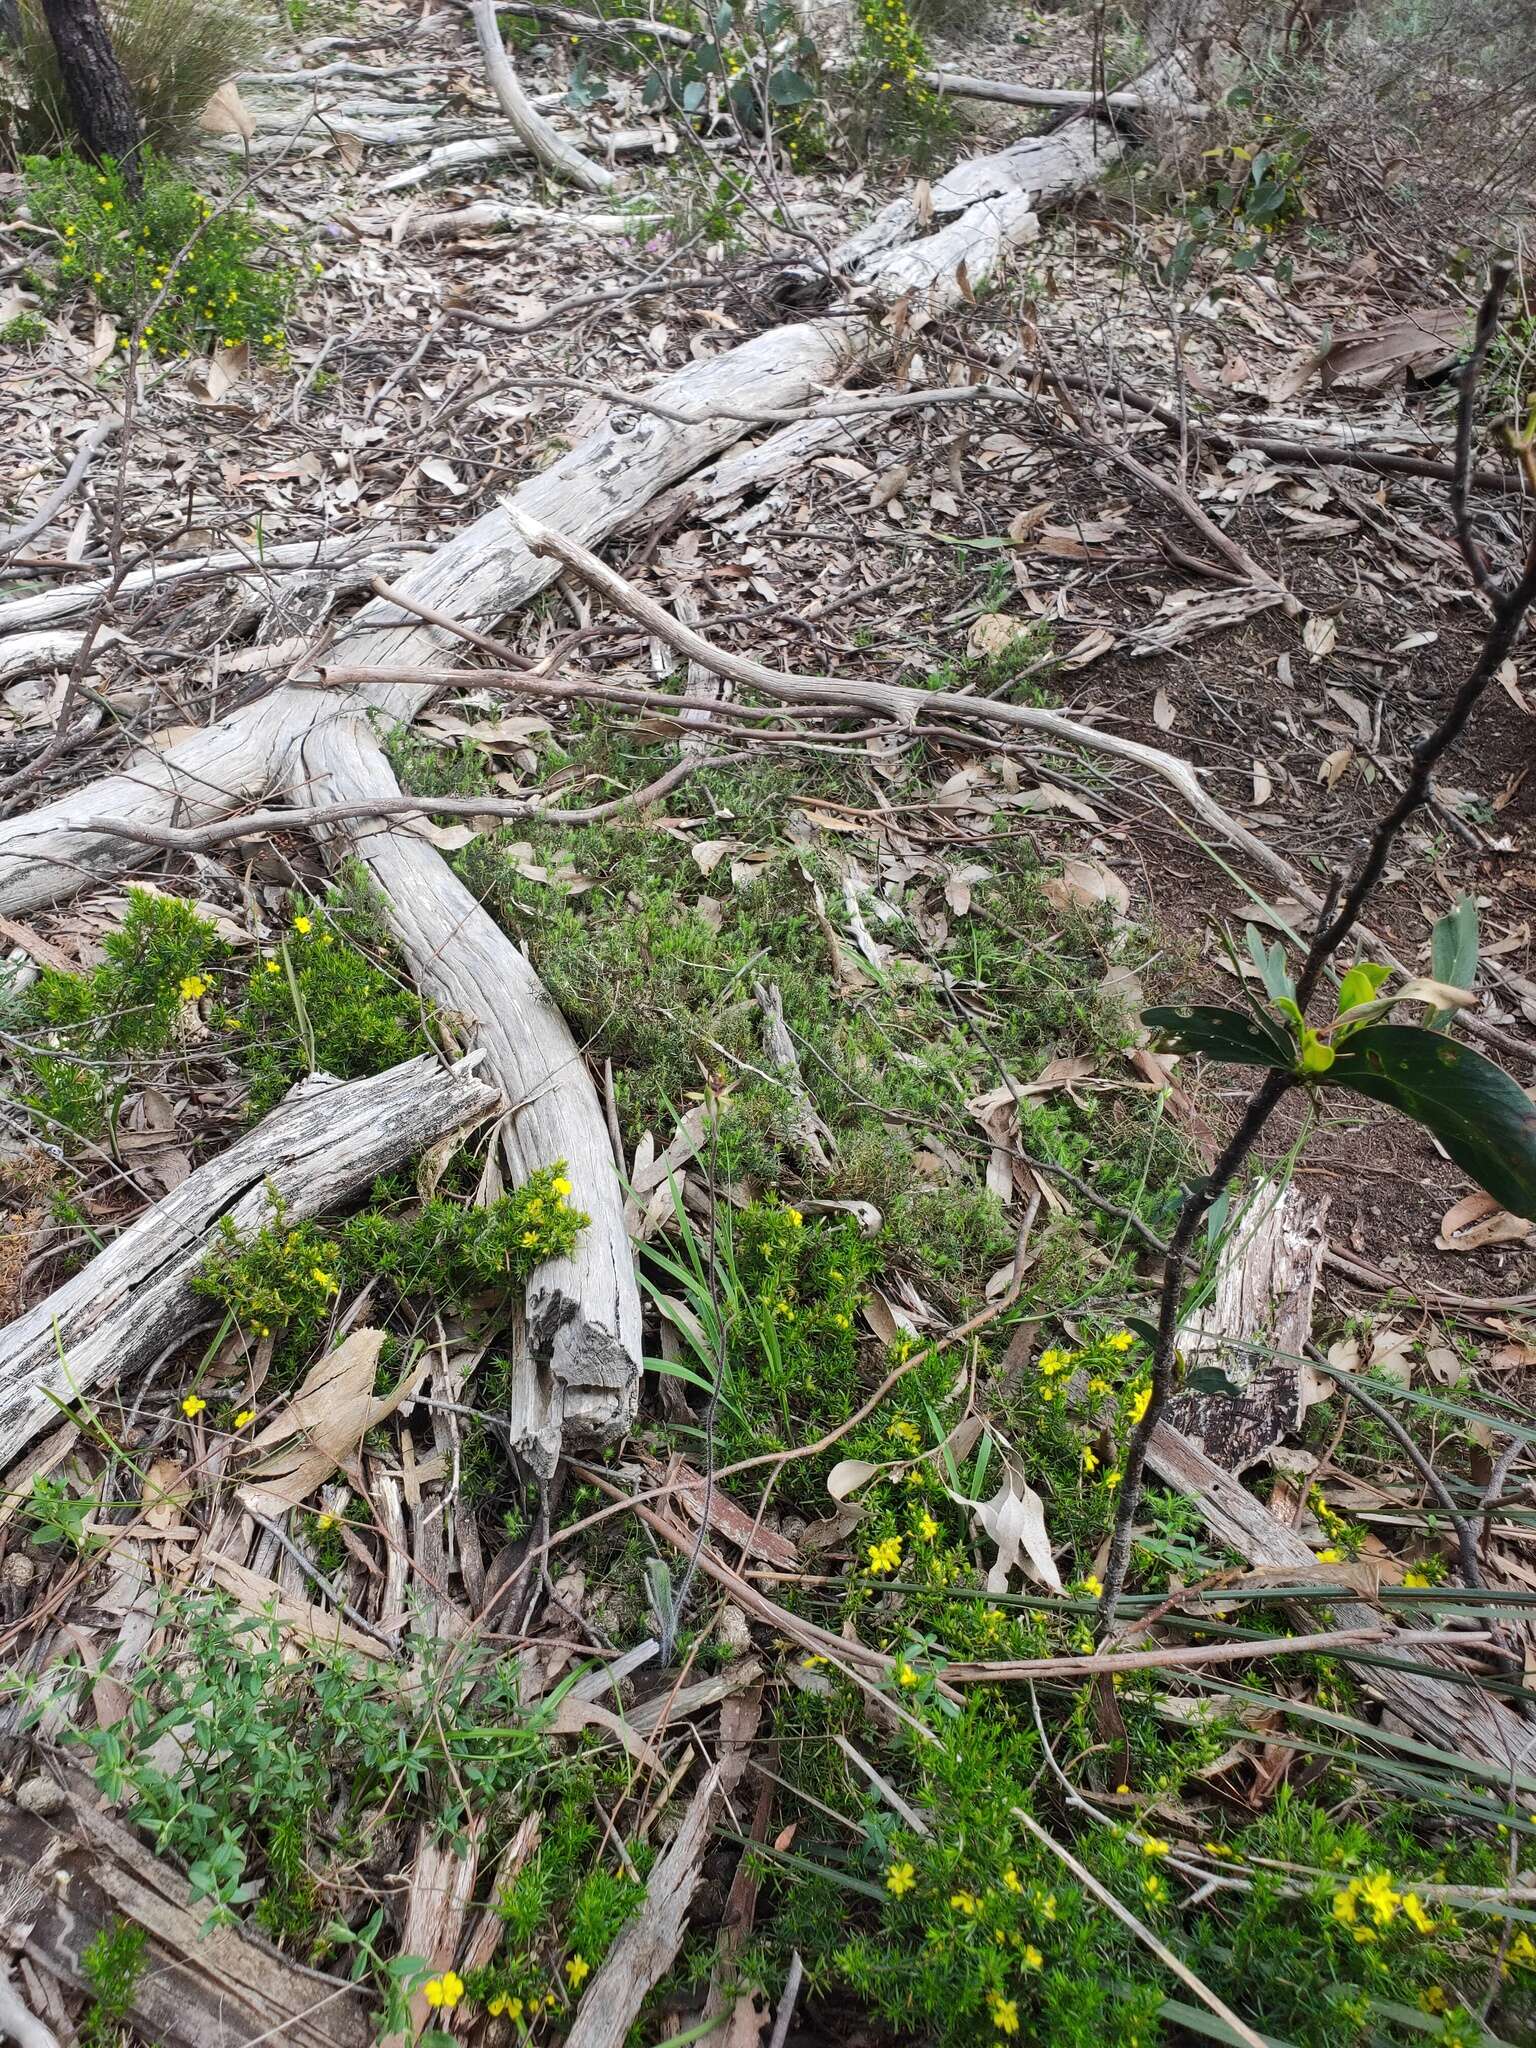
[(94, 85)]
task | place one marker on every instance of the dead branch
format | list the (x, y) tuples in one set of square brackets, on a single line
[(532, 130), (324, 1142)]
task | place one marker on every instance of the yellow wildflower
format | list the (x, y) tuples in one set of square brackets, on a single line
[(302, 924), (192, 986), (1005, 2015), (885, 1555), (194, 1404), (899, 1879), (1141, 1401), (326, 1280), (1434, 2000), (1154, 1888), (927, 1527), (578, 1969), (1330, 1556), (1053, 1362), (964, 1902), (325, 1521), (1419, 1918), (1092, 1585), (1090, 1459), (245, 1418), (272, 967), (503, 2006), (1112, 1479), (1412, 1578), (905, 1675), (797, 1221), (1153, 1845), (1376, 1890), (530, 1238), (1522, 1950), (1011, 1880), (561, 1186), (1032, 1958), (444, 1991), (1122, 1340)]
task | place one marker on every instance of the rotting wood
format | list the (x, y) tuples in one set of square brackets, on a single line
[(81, 1874), (1452, 1716), (962, 85), (648, 1944), (321, 1144), (1255, 1328)]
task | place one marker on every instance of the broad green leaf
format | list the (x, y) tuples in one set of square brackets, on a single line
[(1360, 985), (1316, 1057), (1453, 951), (1221, 1034), (1481, 1116)]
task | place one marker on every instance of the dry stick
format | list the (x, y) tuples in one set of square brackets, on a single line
[(894, 700), (908, 707), (13, 537), (548, 146), (1143, 1933), (1194, 1656), (200, 838), (1509, 607)]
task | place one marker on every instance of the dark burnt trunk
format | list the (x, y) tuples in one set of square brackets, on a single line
[(94, 86)]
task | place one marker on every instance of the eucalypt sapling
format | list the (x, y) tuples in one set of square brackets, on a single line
[(1481, 1117)]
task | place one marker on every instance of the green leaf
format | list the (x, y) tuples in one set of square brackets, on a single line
[(789, 88), (1270, 961), (1453, 952), (1481, 1116), (1219, 1033), (1360, 985), (1316, 1057)]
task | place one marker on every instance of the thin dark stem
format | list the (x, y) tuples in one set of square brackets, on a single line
[(1509, 607), (1467, 380)]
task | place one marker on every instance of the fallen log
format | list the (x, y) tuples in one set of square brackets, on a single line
[(78, 1874), (537, 135), (323, 1143), (581, 1327), (596, 488), (961, 85)]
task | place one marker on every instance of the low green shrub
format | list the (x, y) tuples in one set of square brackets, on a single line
[(195, 274)]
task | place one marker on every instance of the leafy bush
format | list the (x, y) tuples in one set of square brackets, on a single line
[(175, 55), (282, 1280), (233, 284), (320, 1003), (74, 1028)]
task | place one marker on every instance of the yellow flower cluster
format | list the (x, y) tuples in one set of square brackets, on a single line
[(443, 1993), (885, 1555), (1375, 1895)]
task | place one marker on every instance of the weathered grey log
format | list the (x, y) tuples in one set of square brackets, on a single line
[(322, 1144), (961, 85), (583, 1311), (1255, 1328), (551, 148), (597, 488)]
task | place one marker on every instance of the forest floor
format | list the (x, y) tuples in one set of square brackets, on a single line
[(434, 1748)]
